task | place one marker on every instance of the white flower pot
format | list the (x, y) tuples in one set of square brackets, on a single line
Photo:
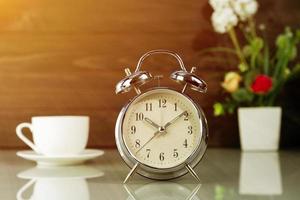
[(259, 128)]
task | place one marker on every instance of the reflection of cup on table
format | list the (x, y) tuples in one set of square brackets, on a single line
[(58, 183), (260, 174), (56, 135), (58, 189)]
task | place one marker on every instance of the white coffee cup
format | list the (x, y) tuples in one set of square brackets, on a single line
[(56, 135)]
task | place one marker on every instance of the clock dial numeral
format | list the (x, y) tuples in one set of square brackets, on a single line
[(175, 106), (186, 116), (190, 130), (162, 103), (175, 153), (185, 144), (162, 156), (137, 143), (148, 152), (139, 116), (133, 129), (148, 106)]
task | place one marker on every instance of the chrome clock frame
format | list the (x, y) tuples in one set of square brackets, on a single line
[(161, 173)]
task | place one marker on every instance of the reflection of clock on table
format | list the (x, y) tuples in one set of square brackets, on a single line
[(161, 133), (162, 191)]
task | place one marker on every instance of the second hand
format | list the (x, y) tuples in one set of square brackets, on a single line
[(155, 134)]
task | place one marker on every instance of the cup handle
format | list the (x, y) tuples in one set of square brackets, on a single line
[(23, 138), (24, 188)]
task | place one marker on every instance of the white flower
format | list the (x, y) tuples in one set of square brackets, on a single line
[(223, 20), (219, 4), (244, 8)]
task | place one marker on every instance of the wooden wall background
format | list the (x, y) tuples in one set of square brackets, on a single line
[(65, 57)]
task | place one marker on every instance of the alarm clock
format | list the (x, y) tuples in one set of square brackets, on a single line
[(161, 133)]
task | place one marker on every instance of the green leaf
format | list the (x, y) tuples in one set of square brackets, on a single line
[(297, 36), (248, 78), (257, 44), (275, 91), (243, 67), (287, 72), (247, 50), (231, 108), (218, 109), (295, 72), (266, 59), (242, 95), (286, 50), (293, 53), (281, 41)]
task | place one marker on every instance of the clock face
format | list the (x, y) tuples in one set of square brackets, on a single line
[(161, 128)]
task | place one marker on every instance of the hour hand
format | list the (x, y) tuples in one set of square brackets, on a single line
[(149, 121)]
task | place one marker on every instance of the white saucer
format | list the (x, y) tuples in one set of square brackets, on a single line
[(43, 160)]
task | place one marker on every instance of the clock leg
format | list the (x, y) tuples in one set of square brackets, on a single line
[(192, 172), (131, 172)]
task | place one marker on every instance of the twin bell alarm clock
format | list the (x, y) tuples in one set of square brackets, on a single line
[(161, 133)]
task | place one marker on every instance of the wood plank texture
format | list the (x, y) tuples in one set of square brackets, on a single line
[(65, 57)]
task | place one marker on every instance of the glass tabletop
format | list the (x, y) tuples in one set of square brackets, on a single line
[(224, 174)]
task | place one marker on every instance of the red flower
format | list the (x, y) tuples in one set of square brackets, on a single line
[(262, 84)]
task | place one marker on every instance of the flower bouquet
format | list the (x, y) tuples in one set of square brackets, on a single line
[(262, 71)]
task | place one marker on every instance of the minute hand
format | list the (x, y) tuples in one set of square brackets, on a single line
[(175, 119)]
